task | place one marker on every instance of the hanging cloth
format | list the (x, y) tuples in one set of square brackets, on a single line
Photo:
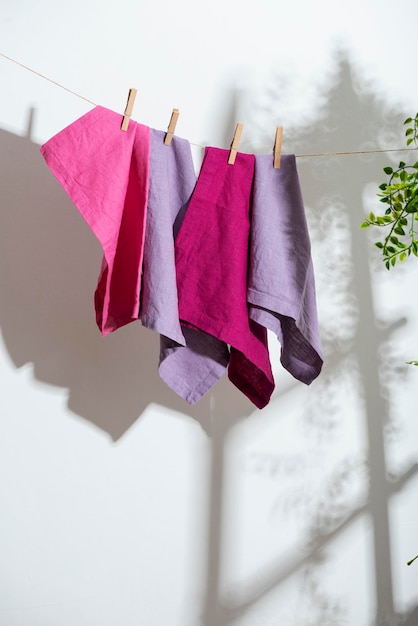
[(105, 173), (212, 268), (190, 361), (281, 284)]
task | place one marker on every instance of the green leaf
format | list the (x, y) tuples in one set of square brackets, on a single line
[(365, 225), (393, 261), (387, 265), (408, 120), (378, 244), (409, 141), (402, 256), (409, 131), (399, 230), (372, 216), (401, 164), (383, 186), (391, 249), (388, 170)]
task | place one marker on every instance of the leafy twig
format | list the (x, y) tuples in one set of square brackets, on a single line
[(400, 193)]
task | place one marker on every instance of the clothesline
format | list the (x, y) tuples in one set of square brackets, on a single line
[(312, 154)]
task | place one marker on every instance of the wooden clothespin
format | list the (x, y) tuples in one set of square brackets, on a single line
[(235, 143), (171, 127), (128, 109), (278, 147)]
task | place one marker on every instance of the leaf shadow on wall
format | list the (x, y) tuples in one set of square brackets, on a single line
[(49, 262), (352, 485)]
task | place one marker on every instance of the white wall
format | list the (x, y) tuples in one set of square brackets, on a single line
[(122, 505)]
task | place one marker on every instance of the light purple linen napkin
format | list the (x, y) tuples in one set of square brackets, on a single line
[(281, 284)]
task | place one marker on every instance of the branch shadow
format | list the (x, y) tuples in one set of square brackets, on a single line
[(351, 117)]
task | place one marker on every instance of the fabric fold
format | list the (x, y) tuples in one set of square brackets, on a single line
[(192, 370), (105, 173)]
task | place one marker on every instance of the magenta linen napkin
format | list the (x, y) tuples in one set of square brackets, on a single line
[(212, 267)]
